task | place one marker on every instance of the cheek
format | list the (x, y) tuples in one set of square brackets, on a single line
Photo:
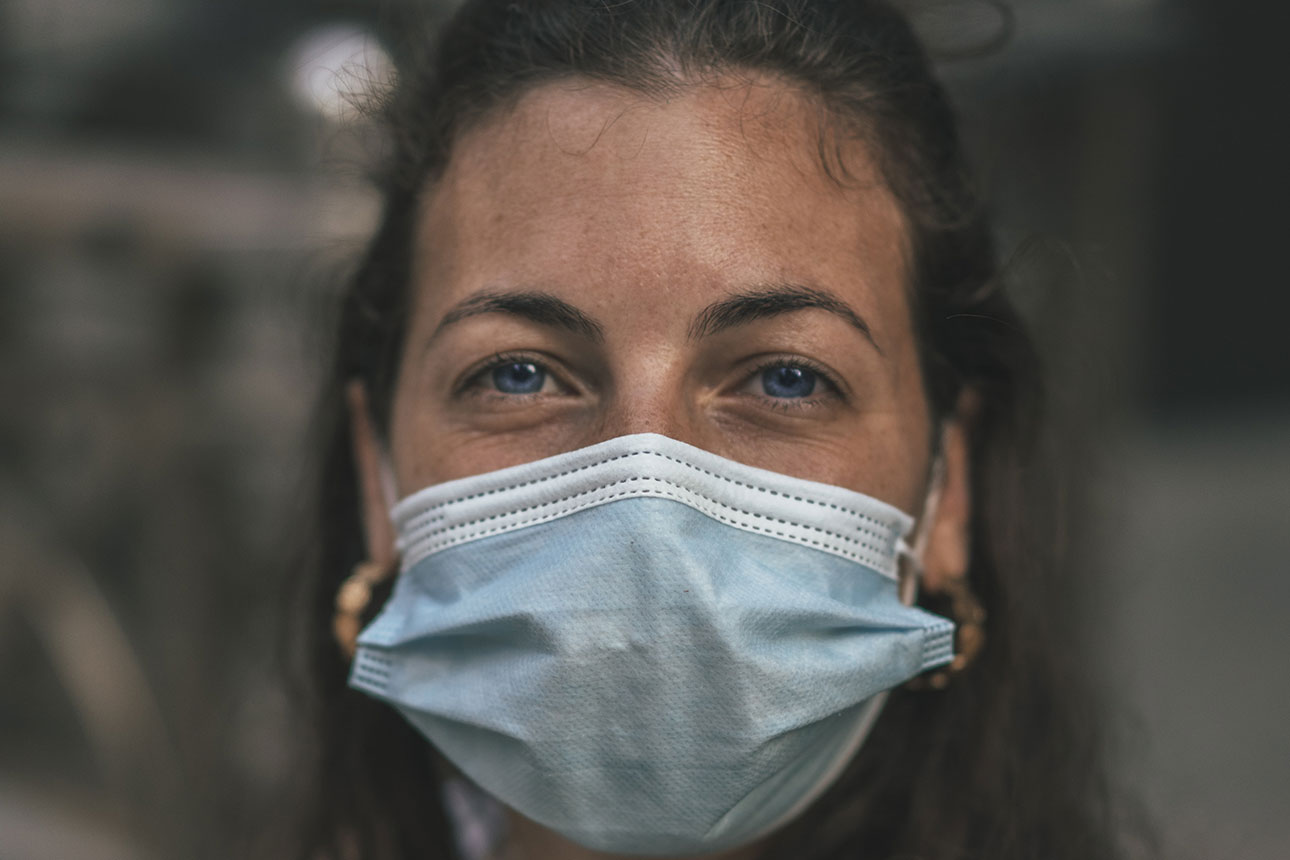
[(890, 455), (891, 460), (428, 447), (913, 442), (418, 460), (909, 433)]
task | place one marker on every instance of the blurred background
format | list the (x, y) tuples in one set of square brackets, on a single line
[(182, 191)]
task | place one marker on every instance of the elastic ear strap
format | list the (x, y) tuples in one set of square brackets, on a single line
[(913, 554), (389, 486), (935, 486)]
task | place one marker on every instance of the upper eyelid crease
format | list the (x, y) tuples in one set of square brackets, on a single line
[(825, 374), (478, 370), (498, 359), (559, 374), (771, 301)]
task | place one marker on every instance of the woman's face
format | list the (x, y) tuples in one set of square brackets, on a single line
[(594, 263)]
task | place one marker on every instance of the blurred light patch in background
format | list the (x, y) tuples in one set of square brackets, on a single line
[(338, 69)]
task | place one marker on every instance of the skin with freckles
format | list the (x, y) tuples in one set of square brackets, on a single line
[(596, 262)]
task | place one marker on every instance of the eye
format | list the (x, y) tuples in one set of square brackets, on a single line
[(511, 376), (787, 381), (518, 377), (792, 383)]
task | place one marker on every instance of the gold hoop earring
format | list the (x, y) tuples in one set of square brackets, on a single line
[(351, 599), (969, 617)]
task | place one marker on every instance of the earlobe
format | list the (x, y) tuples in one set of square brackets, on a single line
[(370, 473), (949, 543)]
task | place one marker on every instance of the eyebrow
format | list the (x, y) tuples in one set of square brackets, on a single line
[(770, 301), (538, 307)]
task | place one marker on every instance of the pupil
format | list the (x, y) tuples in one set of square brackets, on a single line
[(518, 377), (788, 382)]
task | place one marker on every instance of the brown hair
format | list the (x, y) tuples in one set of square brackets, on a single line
[(1003, 764)]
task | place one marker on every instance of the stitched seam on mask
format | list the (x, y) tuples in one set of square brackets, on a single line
[(430, 535), (370, 662), (418, 551), (874, 561), (413, 523), (375, 685), (429, 512), (372, 671), (938, 647)]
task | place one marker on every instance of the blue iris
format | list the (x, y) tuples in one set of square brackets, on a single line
[(519, 377), (788, 381)]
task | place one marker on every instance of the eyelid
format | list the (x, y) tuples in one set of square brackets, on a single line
[(828, 377), (475, 373)]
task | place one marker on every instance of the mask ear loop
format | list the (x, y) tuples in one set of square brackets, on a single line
[(355, 593), (911, 555), (389, 485)]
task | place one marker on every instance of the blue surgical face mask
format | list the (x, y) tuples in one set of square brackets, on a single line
[(643, 646)]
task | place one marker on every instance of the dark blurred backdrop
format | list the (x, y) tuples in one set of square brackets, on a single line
[(181, 191)]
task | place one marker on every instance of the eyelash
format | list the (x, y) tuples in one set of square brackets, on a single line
[(472, 382), (782, 404)]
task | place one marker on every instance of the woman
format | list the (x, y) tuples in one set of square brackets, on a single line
[(723, 256)]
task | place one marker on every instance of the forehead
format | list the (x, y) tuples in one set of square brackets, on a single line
[(584, 183)]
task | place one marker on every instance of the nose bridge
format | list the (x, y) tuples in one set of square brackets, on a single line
[(650, 396), (628, 416)]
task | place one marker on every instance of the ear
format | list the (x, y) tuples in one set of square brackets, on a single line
[(368, 468), (949, 543)]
